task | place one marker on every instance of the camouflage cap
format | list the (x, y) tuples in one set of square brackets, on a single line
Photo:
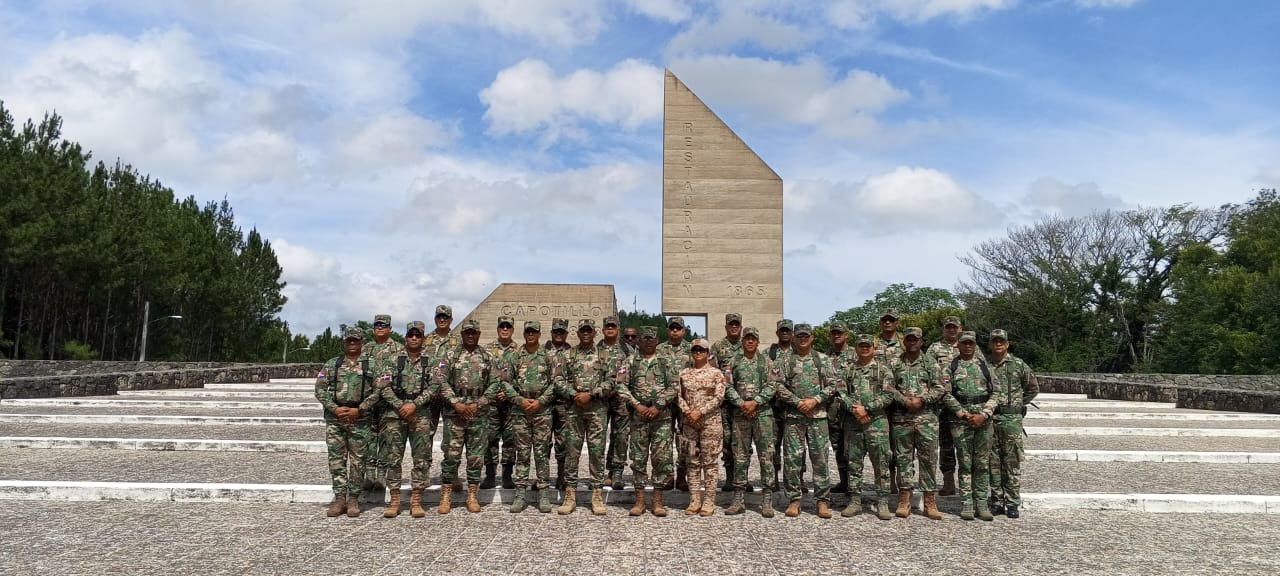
[(804, 329), (416, 325), (506, 320), (751, 332), (949, 320), (732, 317), (676, 321), (968, 336), (649, 332), (785, 324), (890, 313), (610, 321), (444, 310), (383, 318), (470, 324), (700, 342), (559, 324), (586, 324), (913, 331), (353, 332), (534, 325), (867, 339), (839, 326), (999, 334)]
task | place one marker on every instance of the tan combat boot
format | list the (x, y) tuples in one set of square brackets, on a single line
[(446, 498), (708, 502), (695, 502), (824, 511), (393, 507), (659, 509), (597, 503), (415, 504), (638, 509), (931, 506), (793, 509), (473, 504), (904, 503), (353, 505), (336, 507), (570, 503)]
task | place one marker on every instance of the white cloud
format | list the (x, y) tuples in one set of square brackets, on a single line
[(395, 136), (739, 27), (674, 11), (1049, 195), (528, 96), (1105, 3)]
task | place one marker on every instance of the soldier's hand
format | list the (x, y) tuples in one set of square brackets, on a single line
[(694, 417), (915, 403), (582, 399), (407, 411), (977, 420), (533, 406), (859, 411), (502, 396), (749, 408), (807, 405)]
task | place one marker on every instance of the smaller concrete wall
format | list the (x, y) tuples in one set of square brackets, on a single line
[(1113, 387), (108, 384), (28, 368), (1256, 382)]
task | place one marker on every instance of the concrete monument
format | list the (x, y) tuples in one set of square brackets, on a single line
[(542, 302)]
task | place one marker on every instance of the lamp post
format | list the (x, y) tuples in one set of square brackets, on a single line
[(146, 321)]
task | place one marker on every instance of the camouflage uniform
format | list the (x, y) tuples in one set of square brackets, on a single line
[(533, 377), (410, 383), (586, 371), (915, 436), (616, 354), (702, 389), (348, 386), (870, 386), (753, 379), (501, 413), (722, 354), (436, 345), (807, 376), (651, 383), (380, 356), (943, 353), (560, 425), (973, 393), (678, 357), (778, 354), (468, 377), (888, 351), (1020, 387), (836, 416)]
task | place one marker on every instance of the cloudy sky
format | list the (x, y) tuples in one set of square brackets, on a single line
[(404, 154)]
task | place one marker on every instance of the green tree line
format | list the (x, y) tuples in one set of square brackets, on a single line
[(84, 246)]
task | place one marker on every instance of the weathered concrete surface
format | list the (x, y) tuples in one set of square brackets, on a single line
[(721, 220), (23, 368), (108, 384), (1255, 382), (542, 302), (1115, 387)]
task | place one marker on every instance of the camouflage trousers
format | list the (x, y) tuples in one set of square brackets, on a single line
[(973, 451), (916, 438), (560, 429), (946, 445), (471, 436), (758, 432), (682, 455), (346, 446), (862, 441), (1006, 459), (586, 425), (619, 429), (651, 442), (779, 432), (375, 452), (703, 444), (500, 432), (836, 427), (801, 434), (532, 434), (727, 412), (420, 433)]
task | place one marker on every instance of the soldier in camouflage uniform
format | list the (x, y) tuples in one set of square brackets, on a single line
[(648, 384), (722, 353), (841, 354), (559, 348), (469, 380), (866, 394), (617, 352), (917, 394), (532, 390), (808, 381), (1020, 388), (501, 431), (348, 391), (701, 394), (408, 392), (440, 341), (943, 352), (380, 353), (753, 380), (779, 351), (973, 400), (588, 381), (676, 351)]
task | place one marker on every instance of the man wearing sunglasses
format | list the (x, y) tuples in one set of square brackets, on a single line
[(558, 347), (808, 384), (722, 353), (676, 351), (380, 353), (407, 394), (616, 352), (501, 431), (586, 387)]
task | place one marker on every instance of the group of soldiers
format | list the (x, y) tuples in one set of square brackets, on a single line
[(674, 409)]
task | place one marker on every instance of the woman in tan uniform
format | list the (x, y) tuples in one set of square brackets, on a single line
[(700, 396)]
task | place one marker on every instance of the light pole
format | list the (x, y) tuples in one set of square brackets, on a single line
[(146, 321), (285, 359)]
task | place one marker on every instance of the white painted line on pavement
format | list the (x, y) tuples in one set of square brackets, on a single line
[(1156, 503), (1186, 432), (1167, 416), (162, 444), (156, 403), (262, 386), (1058, 404), (156, 419), (307, 381), (1155, 456), (202, 393), (1053, 396)]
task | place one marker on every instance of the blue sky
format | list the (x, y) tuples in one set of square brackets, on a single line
[(400, 155)]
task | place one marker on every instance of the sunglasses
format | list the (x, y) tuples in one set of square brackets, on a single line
[(630, 336), (699, 350), (381, 325)]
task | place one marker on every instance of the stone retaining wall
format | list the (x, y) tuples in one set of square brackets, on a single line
[(1256, 382), (1113, 387), (108, 384), (30, 368)]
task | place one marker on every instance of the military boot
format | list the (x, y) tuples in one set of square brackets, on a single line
[(766, 505), (948, 484), (995, 506), (739, 504), (597, 503), (507, 481), (904, 503), (984, 513), (415, 504), (853, 508), (659, 509), (708, 502), (793, 509), (336, 507), (393, 507), (883, 511), (931, 506), (570, 503), (618, 484), (353, 505), (446, 498), (695, 503), (544, 500), (490, 470), (519, 504), (824, 509), (843, 486), (682, 479), (638, 509), (966, 510), (473, 503), (1012, 511)]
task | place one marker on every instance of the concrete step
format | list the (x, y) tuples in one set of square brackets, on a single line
[(1167, 416), (160, 419), (1153, 456), (180, 393), (1152, 443), (1171, 431), (307, 381), (266, 387), (159, 402), (228, 432)]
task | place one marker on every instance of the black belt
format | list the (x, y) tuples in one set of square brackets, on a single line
[(964, 399), (1020, 411), (348, 404)]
